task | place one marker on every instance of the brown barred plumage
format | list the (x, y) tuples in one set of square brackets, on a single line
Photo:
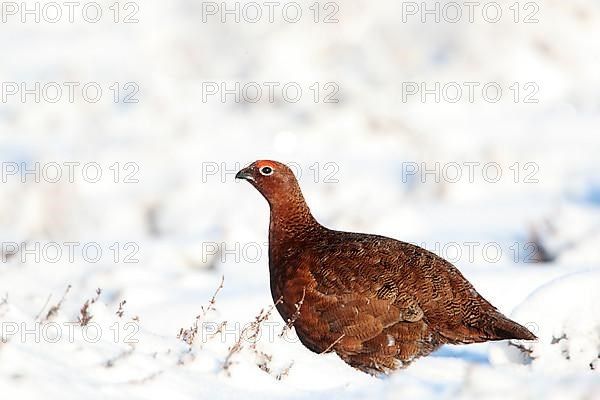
[(379, 303)]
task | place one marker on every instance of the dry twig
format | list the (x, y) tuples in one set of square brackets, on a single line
[(84, 315), (285, 372), (290, 322), (251, 333), (121, 310), (328, 349), (54, 309), (188, 335)]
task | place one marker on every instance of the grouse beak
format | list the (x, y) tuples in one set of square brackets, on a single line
[(245, 173)]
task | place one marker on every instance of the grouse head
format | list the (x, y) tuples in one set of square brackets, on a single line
[(274, 180), (277, 183)]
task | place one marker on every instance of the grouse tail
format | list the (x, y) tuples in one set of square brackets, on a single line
[(504, 328)]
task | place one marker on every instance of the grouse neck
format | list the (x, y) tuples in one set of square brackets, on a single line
[(291, 219)]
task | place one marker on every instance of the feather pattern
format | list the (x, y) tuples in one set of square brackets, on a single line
[(377, 302)]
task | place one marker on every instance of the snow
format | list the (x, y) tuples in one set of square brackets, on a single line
[(174, 221), (567, 325)]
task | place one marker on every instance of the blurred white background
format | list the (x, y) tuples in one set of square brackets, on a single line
[(170, 220)]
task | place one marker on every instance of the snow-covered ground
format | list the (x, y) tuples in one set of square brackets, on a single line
[(165, 222)]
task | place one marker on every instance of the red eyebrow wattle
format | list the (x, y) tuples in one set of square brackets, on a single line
[(262, 164)]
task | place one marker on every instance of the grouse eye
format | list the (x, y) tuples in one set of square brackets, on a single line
[(266, 171)]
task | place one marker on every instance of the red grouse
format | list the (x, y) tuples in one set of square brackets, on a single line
[(379, 303)]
